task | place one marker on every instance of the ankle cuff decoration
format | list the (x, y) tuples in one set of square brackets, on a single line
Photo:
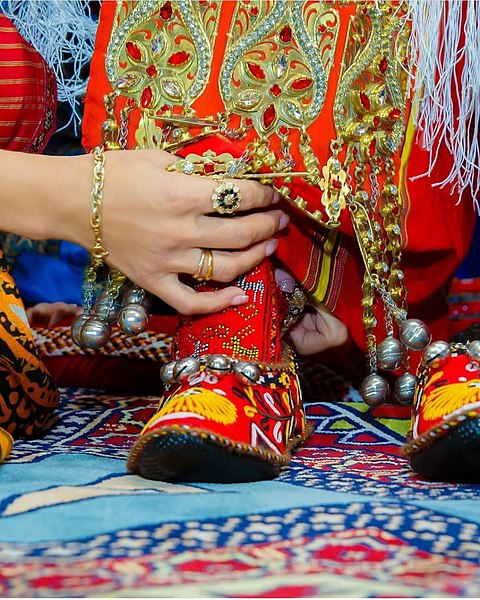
[(248, 373)]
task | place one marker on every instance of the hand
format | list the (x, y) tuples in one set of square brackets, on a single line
[(155, 223), (49, 314), (317, 330)]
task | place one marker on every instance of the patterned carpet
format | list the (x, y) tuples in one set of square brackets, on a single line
[(346, 519)]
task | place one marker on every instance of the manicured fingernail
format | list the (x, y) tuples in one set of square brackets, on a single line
[(237, 300), (284, 220), (284, 281), (276, 198), (271, 247)]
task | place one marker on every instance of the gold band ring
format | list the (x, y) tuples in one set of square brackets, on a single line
[(226, 198), (204, 270)]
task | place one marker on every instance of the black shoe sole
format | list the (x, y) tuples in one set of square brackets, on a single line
[(454, 456), (185, 455)]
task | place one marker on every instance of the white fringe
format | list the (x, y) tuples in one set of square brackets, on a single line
[(440, 82), (63, 32)]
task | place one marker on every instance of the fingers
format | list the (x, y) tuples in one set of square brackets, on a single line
[(226, 266), (46, 314), (199, 190), (318, 331), (189, 302), (239, 232)]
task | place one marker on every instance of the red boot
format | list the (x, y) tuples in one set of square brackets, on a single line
[(232, 411), (444, 441)]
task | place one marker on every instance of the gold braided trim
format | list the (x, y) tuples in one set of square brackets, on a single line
[(147, 345)]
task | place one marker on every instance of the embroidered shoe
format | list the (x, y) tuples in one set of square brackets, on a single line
[(444, 441), (232, 410)]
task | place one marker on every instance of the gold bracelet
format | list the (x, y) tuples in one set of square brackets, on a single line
[(98, 252)]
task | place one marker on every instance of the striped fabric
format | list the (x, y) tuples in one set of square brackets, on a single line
[(27, 93)]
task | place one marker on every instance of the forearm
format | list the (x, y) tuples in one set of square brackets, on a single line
[(45, 197)]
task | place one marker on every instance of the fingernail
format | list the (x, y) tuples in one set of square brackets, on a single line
[(284, 281), (284, 220), (237, 300), (276, 198), (271, 247)]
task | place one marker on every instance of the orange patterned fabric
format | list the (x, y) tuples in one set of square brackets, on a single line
[(27, 93), (28, 394)]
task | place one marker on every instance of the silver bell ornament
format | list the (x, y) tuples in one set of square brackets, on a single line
[(404, 389), (184, 368), (414, 334), (219, 364), (132, 319), (390, 354), (436, 355), (94, 333), (166, 372), (473, 349), (76, 329), (375, 390), (247, 373)]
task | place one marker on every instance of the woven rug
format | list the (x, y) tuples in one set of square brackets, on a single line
[(347, 518)]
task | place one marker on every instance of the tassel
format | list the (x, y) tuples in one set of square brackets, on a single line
[(446, 68)]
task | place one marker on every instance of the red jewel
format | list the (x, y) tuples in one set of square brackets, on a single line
[(376, 121), (256, 70), (164, 108), (275, 90), (355, 151), (166, 11), (269, 116), (131, 102), (365, 100), (254, 11), (372, 148), (248, 121), (395, 114), (151, 71), (302, 83), (322, 29), (178, 58), (283, 130), (336, 184), (147, 97), (203, 2), (383, 64), (208, 168), (285, 34), (133, 51)]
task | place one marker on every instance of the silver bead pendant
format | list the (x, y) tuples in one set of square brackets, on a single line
[(132, 319), (375, 390), (94, 333), (473, 349), (414, 334), (390, 354), (76, 329), (436, 355), (404, 389)]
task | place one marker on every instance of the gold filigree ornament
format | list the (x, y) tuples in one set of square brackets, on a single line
[(370, 115)]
